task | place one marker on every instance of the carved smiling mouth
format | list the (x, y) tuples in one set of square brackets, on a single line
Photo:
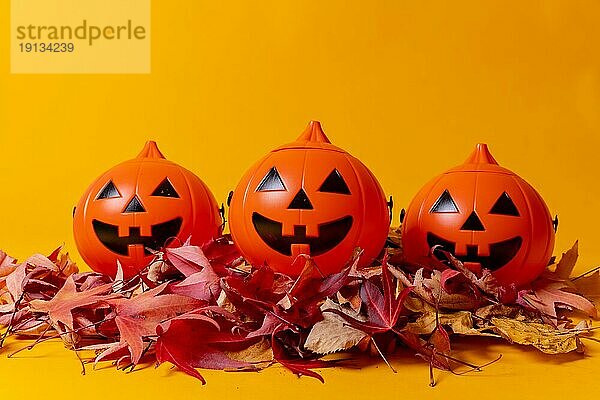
[(500, 252), (108, 234), (330, 234)]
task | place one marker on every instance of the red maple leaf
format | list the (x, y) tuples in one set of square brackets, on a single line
[(299, 365), (222, 254), (204, 285), (137, 317), (60, 307), (186, 259), (383, 309), (195, 340)]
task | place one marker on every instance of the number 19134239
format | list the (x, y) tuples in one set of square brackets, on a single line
[(50, 47)]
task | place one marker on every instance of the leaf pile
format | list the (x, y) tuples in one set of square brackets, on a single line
[(204, 308)]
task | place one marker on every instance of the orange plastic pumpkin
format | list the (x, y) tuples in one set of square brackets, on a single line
[(142, 204), (487, 216), (308, 197)]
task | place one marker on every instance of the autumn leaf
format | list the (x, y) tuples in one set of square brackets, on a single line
[(300, 366), (431, 290), (546, 296), (350, 295), (566, 264), (222, 254), (212, 312), (63, 262), (257, 354), (333, 334), (440, 341), (137, 317), (383, 308), (455, 280), (60, 307), (193, 341), (308, 291), (261, 290), (485, 313), (544, 337), (588, 285), (460, 322), (204, 285), (16, 280), (7, 266), (187, 259), (293, 305)]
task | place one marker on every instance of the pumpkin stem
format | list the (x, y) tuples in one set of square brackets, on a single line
[(481, 155), (150, 150), (314, 133)]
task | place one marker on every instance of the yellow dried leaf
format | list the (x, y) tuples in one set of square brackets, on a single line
[(461, 323), (498, 310), (260, 352), (544, 337)]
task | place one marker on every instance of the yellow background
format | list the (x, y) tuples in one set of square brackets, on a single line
[(408, 87)]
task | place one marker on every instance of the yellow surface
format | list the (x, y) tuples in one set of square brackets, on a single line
[(408, 87)]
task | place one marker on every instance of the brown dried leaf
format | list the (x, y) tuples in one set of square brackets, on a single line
[(430, 290), (567, 262), (548, 296), (498, 310), (333, 333), (350, 295), (589, 285)]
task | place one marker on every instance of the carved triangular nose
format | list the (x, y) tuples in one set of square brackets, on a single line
[(300, 202), (473, 223), (135, 205)]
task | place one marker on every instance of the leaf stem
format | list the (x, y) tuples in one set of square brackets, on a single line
[(382, 356)]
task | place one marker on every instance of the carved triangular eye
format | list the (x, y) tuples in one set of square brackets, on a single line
[(505, 206), (445, 204), (334, 183), (271, 182), (109, 191), (165, 189)]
